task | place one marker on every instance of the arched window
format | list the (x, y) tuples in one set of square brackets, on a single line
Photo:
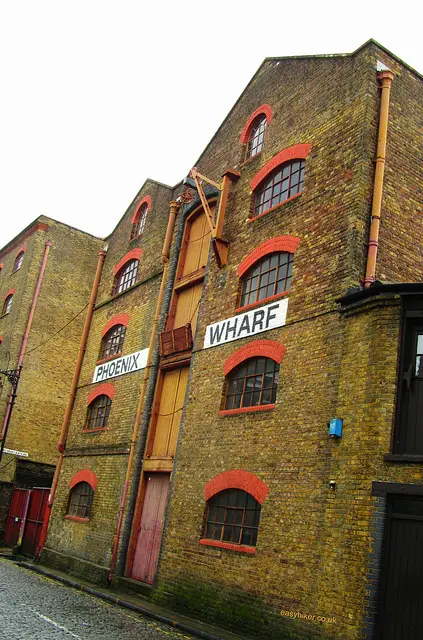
[(80, 500), (256, 136), (18, 260), (283, 183), (253, 383), (232, 516), (268, 277), (112, 342), (126, 276), (139, 222), (7, 303), (98, 412)]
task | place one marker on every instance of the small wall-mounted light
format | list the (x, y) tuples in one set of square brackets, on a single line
[(332, 485), (335, 428)]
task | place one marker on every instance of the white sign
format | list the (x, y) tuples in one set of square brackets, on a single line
[(23, 454), (120, 366), (246, 324)]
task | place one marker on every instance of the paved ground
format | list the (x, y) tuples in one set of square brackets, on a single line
[(33, 607)]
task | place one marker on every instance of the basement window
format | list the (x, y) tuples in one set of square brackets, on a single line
[(232, 517), (80, 501), (283, 183)]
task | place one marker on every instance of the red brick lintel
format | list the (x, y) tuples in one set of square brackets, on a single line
[(256, 348), (266, 109), (85, 475), (135, 254), (237, 479), (241, 548), (121, 318), (272, 245), (296, 152)]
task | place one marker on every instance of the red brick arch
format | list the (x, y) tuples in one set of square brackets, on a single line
[(279, 243), (266, 109), (134, 254), (22, 249), (147, 200), (104, 389), (85, 475), (121, 318), (296, 152), (237, 479), (256, 348), (11, 292)]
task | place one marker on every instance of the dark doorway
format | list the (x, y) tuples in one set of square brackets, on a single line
[(409, 432), (401, 592)]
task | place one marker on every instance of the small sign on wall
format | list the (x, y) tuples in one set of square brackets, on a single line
[(247, 324), (120, 366)]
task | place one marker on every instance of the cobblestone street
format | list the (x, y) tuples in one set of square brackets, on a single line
[(33, 607)]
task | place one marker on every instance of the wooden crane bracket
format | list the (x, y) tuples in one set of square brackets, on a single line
[(220, 246)]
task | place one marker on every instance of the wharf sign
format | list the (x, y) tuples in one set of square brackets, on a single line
[(246, 324), (120, 366)]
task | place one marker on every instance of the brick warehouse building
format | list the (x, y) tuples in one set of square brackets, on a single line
[(198, 462), (38, 297)]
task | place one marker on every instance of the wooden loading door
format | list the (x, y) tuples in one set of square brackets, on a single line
[(169, 413), (151, 527), (401, 603)]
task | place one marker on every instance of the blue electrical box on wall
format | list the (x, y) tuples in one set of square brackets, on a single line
[(335, 428)]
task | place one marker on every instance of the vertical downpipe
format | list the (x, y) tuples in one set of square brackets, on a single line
[(174, 208), (385, 77), (68, 414), (27, 330)]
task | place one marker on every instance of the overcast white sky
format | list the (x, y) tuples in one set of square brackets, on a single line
[(97, 96)]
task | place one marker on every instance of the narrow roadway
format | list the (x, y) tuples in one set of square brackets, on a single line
[(33, 607)]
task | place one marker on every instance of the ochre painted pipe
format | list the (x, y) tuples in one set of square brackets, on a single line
[(174, 208), (386, 78), (68, 414), (28, 328)]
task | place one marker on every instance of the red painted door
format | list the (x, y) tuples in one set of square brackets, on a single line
[(34, 520), (151, 527), (16, 517)]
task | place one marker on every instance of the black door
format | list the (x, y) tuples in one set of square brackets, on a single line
[(401, 592), (409, 438)]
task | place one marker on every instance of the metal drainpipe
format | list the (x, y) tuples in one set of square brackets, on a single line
[(174, 208), (68, 414), (27, 330), (386, 77)]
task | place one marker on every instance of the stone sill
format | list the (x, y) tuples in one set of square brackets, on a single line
[(403, 457), (241, 548)]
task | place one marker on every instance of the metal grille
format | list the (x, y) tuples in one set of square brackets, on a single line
[(253, 383), (98, 412), (233, 516), (126, 277), (282, 184), (267, 278), (112, 343), (18, 261), (81, 500), (7, 304), (140, 220), (256, 137)]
